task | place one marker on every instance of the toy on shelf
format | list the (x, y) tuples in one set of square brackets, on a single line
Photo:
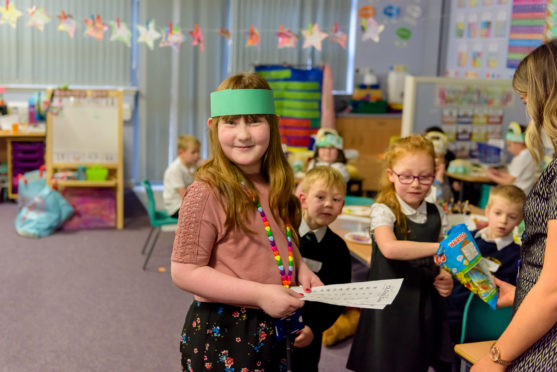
[(367, 96)]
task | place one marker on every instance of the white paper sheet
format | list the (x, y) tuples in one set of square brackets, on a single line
[(366, 295)]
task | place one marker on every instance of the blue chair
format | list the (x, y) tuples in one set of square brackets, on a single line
[(157, 218), (481, 323), (357, 200)]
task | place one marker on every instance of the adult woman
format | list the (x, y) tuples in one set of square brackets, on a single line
[(530, 340)]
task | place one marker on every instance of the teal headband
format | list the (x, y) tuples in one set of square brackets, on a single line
[(514, 134), (242, 102)]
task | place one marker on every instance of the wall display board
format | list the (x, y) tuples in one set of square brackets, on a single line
[(84, 130), (470, 111), (478, 39)]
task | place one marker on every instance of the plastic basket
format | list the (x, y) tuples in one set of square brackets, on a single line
[(96, 173), (489, 154)]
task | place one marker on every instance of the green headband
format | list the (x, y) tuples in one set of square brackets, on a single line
[(242, 102)]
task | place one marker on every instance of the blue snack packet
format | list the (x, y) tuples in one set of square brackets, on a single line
[(458, 254)]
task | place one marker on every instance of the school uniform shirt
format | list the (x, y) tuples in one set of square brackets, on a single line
[(525, 170), (382, 215), (177, 175)]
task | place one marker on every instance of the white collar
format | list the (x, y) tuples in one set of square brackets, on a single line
[(319, 232), (409, 211), (500, 243)]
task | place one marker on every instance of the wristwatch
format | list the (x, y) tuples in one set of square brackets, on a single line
[(496, 356)]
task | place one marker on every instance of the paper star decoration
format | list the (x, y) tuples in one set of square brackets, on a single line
[(286, 38), (95, 27), (9, 14), (38, 18), (253, 37), (372, 29), (197, 37), (120, 32), (313, 36), (67, 23), (148, 34), (337, 36), (172, 37), (224, 32)]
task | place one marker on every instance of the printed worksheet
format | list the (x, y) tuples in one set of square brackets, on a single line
[(366, 295)]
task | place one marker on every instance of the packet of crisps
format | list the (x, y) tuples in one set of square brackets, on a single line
[(458, 253)]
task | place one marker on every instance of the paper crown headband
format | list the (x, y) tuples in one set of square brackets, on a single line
[(328, 137), (514, 133), (242, 102), (439, 141)]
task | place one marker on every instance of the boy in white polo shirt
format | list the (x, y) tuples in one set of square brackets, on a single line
[(179, 175), (523, 170)]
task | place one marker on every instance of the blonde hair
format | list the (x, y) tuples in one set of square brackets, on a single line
[(186, 142), (332, 178), (536, 78), (227, 178), (511, 194), (387, 195)]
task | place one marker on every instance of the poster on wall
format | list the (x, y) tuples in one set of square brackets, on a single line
[(478, 36), (528, 22), (471, 115)]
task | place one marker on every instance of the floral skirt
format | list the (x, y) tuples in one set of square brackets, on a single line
[(219, 337)]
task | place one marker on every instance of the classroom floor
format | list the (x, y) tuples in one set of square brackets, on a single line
[(80, 301)]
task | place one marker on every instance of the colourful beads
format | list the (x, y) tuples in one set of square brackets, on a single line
[(286, 279)]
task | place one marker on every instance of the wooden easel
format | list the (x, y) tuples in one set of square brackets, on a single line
[(85, 127)]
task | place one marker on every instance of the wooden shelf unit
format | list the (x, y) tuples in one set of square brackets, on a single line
[(370, 135), (111, 139)]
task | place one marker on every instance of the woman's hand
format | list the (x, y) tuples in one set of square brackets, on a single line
[(443, 283), (506, 293), (304, 337), (278, 301), (487, 365), (307, 278)]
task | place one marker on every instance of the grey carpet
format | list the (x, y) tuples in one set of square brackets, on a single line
[(80, 301)]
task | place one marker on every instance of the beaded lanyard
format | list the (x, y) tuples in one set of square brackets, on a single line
[(286, 279)]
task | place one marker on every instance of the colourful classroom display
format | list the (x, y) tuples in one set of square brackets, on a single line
[(297, 95)]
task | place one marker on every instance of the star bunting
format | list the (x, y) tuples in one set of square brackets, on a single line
[(253, 37), (148, 34), (197, 37), (172, 37), (120, 32), (95, 27), (38, 18), (67, 23), (9, 14), (314, 36), (286, 38), (337, 36)]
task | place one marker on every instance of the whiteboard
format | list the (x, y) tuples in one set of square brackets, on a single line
[(85, 129)]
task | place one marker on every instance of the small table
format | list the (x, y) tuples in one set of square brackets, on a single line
[(469, 178), (472, 352), (360, 251)]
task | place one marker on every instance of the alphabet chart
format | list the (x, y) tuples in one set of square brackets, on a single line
[(374, 294)]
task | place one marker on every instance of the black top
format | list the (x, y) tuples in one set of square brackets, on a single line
[(412, 333), (539, 208), (336, 268)]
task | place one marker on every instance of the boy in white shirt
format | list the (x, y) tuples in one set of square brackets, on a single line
[(179, 175), (523, 170)]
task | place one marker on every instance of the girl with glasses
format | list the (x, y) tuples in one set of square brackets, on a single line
[(412, 333)]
